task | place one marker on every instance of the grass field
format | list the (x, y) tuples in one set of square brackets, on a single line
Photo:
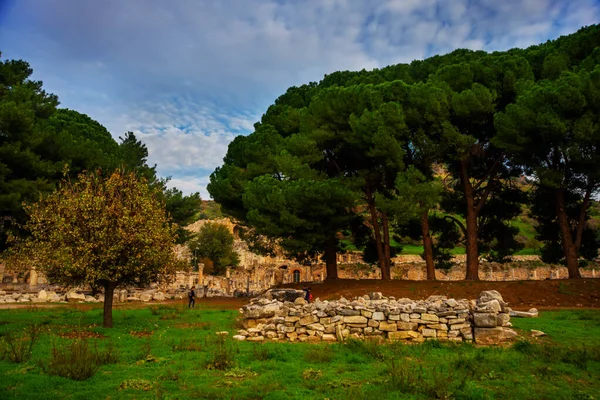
[(165, 352)]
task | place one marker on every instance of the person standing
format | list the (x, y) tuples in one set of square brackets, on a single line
[(192, 297)]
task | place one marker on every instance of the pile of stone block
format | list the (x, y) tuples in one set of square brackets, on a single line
[(275, 316)]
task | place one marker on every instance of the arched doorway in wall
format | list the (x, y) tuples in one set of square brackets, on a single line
[(296, 276)]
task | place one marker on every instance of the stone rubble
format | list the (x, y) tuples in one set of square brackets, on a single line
[(284, 315)]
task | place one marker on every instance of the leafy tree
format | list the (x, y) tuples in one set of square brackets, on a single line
[(24, 111), (104, 231), (134, 154), (215, 243), (182, 209), (553, 129)]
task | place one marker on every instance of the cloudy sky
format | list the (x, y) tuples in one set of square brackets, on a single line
[(189, 76)]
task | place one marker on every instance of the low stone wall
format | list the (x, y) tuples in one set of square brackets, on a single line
[(276, 317)]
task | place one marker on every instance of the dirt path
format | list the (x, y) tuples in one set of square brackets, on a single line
[(579, 293)]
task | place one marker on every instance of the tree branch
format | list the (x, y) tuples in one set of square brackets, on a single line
[(457, 222)]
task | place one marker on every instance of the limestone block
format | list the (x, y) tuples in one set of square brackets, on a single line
[(239, 337), (355, 319), (532, 313), (378, 316), (401, 335), (328, 337), (428, 332), (309, 319), (496, 335), (430, 317), (316, 327), (255, 338), (74, 296), (404, 317), (459, 326), (366, 313), (440, 327), (388, 326), (325, 321), (484, 320), (292, 319), (407, 326), (42, 295), (490, 306), (394, 317), (456, 321), (300, 301), (502, 319), (145, 296), (349, 312)]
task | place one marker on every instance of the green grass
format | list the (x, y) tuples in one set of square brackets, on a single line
[(168, 359)]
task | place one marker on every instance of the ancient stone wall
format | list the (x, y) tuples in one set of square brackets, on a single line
[(284, 315)]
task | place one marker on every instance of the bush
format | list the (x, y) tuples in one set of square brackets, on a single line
[(78, 361), (221, 354), (17, 348), (320, 354)]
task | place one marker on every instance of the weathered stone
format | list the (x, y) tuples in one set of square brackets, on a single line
[(388, 326), (145, 296), (497, 335), (394, 317), (405, 317), (451, 303), (400, 335), (407, 326), (490, 306), (74, 296), (300, 301), (42, 295), (442, 327), (355, 319), (316, 327), (446, 314), (292, 319), (428, 332), (484, 320), (533, 313), (255, 338), (429, 317), (328, 338), (378, 316), (375, 296), (489, 295), (502, 319), (366, 313), (536, 333), (239, 337), (348, 312), (456, 321), (459, 326), (309, 319)]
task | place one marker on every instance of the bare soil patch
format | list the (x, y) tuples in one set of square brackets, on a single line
[(573, 293)]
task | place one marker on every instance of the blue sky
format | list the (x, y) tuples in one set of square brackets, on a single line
[(189, 76)]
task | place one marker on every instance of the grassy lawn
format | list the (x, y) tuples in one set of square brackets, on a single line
[(173, 353)]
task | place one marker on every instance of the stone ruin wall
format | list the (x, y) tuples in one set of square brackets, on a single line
[(284, 315), (258, 273)]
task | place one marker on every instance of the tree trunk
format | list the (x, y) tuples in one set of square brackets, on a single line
[(109, 290), (331, 259), (386, 274), (471, 233), (569, 248), (378, 241), (427, 246)]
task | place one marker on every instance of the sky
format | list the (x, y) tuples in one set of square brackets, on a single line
[(187, 76)]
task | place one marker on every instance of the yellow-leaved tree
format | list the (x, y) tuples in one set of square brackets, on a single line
[(104, 231)]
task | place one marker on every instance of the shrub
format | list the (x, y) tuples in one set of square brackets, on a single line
[(186, 345), (17, 348), (78, 361), (321, 354), (221, 354)]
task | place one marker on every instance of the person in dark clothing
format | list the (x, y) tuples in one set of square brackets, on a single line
[(192, 296), (308, 295)]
